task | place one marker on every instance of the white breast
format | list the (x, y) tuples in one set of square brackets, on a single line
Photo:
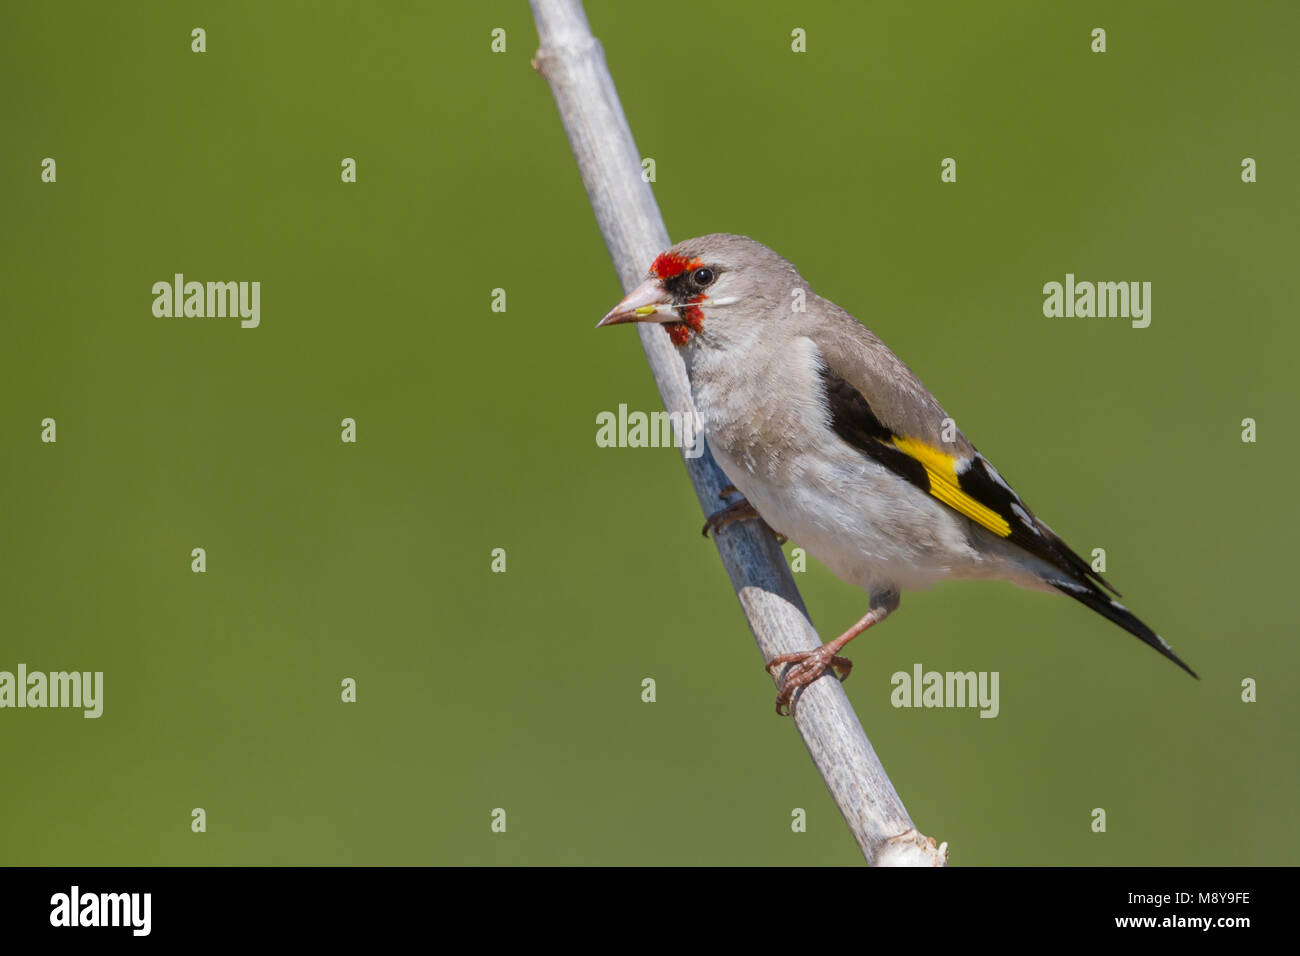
[(768, 430)]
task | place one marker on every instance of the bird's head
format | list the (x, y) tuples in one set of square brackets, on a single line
[(723, 279)]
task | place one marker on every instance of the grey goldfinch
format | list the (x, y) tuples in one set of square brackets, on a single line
[(838, 447)]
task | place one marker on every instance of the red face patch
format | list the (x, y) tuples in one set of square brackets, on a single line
[(680, 332), (669, 264)]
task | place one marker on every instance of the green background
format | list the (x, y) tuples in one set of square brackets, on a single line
[(476, 430)]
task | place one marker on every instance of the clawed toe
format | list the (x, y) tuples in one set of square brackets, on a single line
[(805, 668), (808, 666), (740, 510)]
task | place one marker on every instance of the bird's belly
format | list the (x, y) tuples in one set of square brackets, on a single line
[(870, 527)]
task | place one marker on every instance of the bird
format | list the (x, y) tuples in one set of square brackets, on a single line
[(836, 445)]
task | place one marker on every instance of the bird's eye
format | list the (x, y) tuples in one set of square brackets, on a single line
[(702, 277)]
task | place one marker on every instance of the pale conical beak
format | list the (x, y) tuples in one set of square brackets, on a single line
[(648, 302)]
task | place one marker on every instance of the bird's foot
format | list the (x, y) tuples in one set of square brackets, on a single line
[(808, 666), (805, 667), (740, 510)]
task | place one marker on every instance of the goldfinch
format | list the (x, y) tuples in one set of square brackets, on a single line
[(838, 447)]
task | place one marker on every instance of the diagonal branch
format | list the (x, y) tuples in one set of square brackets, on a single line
[(573, 63)]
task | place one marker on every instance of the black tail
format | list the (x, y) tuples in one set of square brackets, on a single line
[(1092, 596)]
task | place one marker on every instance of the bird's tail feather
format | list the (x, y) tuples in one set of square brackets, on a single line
[(1090, 595)]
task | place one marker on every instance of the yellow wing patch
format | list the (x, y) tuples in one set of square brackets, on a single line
[(941, 469)]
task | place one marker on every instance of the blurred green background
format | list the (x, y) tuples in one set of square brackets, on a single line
[(476, 430)]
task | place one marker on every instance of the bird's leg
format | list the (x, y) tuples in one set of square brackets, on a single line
[(740, 510), (808, 666)]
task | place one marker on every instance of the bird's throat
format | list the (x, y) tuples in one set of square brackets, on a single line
[(692, 321)]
